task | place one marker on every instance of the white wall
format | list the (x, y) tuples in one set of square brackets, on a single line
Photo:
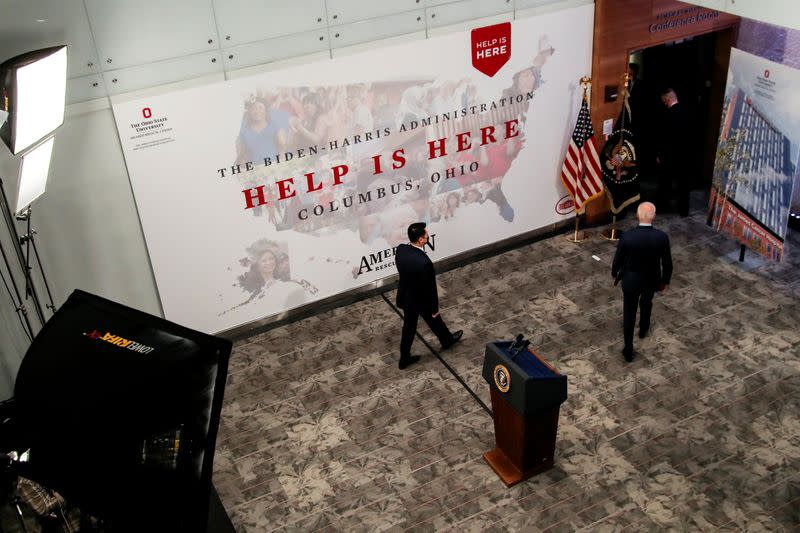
[(90, 237)]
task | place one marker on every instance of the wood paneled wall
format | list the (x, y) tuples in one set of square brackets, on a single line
[(624, 26)]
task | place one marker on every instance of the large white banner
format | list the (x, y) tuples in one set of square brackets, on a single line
[(262, 194)]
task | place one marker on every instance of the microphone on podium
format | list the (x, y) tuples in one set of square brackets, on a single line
[(515, 343), (521, 348)]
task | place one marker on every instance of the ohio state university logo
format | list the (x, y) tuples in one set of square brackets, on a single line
[(491, 48)]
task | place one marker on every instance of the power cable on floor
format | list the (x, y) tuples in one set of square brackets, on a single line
[(441, 359)]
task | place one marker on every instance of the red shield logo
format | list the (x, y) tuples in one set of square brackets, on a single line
[(491, 48)]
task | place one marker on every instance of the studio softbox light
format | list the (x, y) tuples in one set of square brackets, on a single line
[(32, 91), (120, 410), (33, 171)]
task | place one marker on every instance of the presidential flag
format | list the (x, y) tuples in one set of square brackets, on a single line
[(620, 162), (581, 170)]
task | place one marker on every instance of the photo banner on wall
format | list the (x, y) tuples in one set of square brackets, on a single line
[(757, 153), (262, 194)]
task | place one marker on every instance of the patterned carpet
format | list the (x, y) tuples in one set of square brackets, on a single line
[(321, 431)]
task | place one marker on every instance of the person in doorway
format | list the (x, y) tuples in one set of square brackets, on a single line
[(634, 83), (417, 294), (643, 262), (673, 154)]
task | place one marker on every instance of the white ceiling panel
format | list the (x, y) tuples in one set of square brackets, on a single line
[(468, 25), (525, 4), (430, 3), (27, 25), (85, 88), (158, 44), (131, 33), (347, 11), (277, 65), (163, 72), (448, 14), (301, 44), (780, 12), (377, 28), (371, 45), (533, 8), (247, 21)]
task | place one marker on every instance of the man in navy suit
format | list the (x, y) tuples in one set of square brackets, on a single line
[(644, 264), (417, 295)]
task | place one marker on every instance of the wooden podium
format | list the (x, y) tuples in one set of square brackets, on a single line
[(527, 393)]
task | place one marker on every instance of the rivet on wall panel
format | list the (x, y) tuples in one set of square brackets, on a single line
[(95, 84), (319, 19), (108, 60), (210, 41), (227, 37), (213, 59), (336, 35), (230, 56), (114, 80), (433, 15), (335, 17), (321, 38), (90, 64), (419, 18)]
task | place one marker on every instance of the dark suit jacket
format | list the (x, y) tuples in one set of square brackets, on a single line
[(417, 287), (643, 259), (675, 136)]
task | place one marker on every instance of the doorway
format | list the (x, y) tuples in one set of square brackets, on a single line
[(696, 68)]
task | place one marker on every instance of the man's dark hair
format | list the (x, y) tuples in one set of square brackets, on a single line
[(415, 231), (635, 68), (666, 90)]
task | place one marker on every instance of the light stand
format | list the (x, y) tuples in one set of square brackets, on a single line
[(24, 258), (29, 241), (16, 298), (33, 89)]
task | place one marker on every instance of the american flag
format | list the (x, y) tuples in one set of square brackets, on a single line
[(581, 170)]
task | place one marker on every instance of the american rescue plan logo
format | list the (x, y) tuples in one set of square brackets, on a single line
[(502, 378), (385, 258), (491, 48), (120, 341), (565, 205)]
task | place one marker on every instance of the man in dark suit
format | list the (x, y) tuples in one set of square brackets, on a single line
[(674, 152), (644, 264), (417, 295)]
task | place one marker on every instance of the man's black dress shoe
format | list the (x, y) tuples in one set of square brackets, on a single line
[(456, 337), (408, 362), (643, 333), (628, 355)]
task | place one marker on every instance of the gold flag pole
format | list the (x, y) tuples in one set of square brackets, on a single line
[(580, 236), (612, 233)]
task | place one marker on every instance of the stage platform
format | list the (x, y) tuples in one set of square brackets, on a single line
[(321, 431)]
